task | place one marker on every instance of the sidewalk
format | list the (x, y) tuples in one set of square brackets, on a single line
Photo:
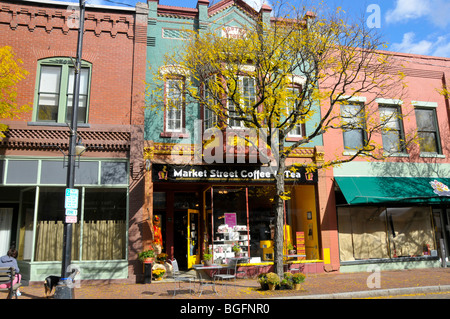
[(327, 285)]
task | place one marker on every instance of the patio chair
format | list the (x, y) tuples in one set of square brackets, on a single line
[(203, 281), (231, 273), (179, 278)]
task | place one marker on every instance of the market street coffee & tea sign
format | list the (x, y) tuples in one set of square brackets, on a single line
[(219, 173)]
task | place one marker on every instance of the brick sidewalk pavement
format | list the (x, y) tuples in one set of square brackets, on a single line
[(315, 284)]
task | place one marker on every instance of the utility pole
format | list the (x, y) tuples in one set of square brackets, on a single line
[(64, 289)]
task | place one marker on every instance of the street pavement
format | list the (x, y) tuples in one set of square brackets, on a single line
[(332, 285)]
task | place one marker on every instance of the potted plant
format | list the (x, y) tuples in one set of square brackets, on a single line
[(207, 258), (297, 279), (272, 280), (158, 273), (287, 282), (161, 258), (236, 249), (291, 249), (147, 256), (262, 279)]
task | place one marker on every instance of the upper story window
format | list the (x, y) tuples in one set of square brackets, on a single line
[(427, 129), (247, 90), (299, 129), (174, 105), (353, 120), (54, 92), (392, 131)]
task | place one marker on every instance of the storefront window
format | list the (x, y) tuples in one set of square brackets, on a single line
[(104, 224), (50, 226), (379, 232)]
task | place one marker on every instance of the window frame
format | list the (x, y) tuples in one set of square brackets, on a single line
[(65, 65), (242, 101), (400, 131), (362, 123), (302, 127), (437, 140), (182, 131)]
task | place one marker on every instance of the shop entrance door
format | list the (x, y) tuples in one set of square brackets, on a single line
[(186, 239), (193, 255)]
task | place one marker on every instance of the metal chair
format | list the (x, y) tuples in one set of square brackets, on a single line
[(231, 273), (179, 278), (204, 282)]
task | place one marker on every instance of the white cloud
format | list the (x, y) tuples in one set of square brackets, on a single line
[(256, 4), (408, 9), (435, 11), (438, 47)]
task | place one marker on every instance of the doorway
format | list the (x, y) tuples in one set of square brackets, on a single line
[(186, 238), (6, 217)]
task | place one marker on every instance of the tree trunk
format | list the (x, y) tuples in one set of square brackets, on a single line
[(279, 218)]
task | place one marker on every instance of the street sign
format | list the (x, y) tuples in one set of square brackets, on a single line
[(71, 201), (71, 219), (71, 212)]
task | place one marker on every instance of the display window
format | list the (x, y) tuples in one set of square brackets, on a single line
[(385, 232), (241, 223)]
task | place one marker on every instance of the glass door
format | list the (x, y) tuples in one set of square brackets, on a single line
[(193, 254)]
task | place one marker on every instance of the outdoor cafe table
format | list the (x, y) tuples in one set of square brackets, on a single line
[(207, 272)]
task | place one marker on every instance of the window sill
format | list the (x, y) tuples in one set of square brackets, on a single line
[(432, 155), (86, 125), (396, 154), (293, 138), (174, 135)]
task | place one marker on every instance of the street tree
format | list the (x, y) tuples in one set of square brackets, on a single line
[(11, 73), (300, 65)]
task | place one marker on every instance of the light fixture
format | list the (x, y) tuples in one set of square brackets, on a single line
[(79, 147)]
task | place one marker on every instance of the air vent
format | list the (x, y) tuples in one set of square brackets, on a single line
[(151, 41)]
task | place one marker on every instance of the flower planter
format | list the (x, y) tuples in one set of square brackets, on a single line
[(207, 262), (272, 286), (297, 286)]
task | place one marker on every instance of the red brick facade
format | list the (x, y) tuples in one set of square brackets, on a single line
[(115, 45)]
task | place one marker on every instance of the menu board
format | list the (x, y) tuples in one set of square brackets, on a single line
[(300, 241)]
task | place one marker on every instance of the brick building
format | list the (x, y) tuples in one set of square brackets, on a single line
[(33, 154), (393, 213)]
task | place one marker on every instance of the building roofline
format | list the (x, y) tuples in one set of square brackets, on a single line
[(71, 3)]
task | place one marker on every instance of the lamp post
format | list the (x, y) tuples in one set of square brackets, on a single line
[(64, 289)]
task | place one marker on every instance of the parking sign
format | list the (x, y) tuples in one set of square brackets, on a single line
[(71, 201)]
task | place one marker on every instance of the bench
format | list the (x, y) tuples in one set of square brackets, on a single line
[(7, 275)]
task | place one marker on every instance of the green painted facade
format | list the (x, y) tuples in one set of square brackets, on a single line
[(165, 34)]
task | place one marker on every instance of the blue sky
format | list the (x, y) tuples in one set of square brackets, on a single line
[(409, 26)]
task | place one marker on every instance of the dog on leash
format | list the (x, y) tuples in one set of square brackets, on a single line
[(52, 281)]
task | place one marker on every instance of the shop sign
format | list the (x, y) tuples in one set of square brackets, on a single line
[(228, 173)]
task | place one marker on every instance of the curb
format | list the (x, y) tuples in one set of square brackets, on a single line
[(374, 293)]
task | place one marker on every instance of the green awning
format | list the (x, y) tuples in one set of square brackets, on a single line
[(368, 190)]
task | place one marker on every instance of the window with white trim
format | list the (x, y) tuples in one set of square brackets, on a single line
[(247, 89), (353, 124), (291, 107), (174, 105), (392, 130)]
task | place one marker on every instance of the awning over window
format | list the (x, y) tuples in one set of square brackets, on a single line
[(371, 190)]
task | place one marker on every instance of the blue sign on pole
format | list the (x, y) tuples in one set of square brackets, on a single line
[(71, 201)]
